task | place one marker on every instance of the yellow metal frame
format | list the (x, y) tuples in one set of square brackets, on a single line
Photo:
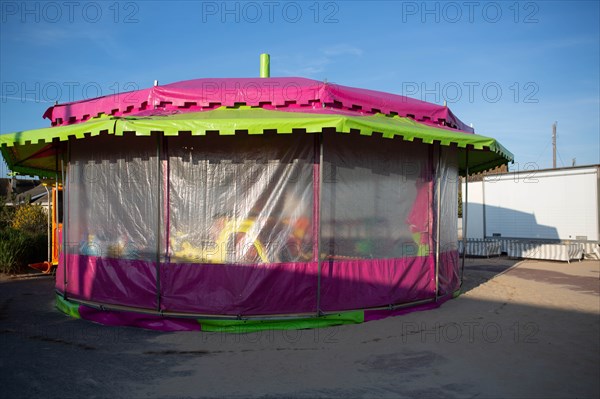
[(187, 251), (49, 266)]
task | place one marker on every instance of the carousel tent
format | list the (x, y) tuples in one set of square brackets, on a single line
[(246, 204)]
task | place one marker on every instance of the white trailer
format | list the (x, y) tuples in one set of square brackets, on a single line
[(538, 211)]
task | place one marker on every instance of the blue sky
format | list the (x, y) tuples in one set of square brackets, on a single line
[(509, 68)]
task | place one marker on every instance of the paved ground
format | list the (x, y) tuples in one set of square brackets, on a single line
[(532, 330)]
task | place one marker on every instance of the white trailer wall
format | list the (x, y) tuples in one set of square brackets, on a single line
[(559, 204), (474, 218)]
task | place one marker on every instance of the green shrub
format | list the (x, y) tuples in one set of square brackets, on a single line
[(31, 219), (23, 236), (7, 213), (19, 248), (13, 247)]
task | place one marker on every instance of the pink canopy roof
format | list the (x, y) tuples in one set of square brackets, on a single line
[(285, 94)]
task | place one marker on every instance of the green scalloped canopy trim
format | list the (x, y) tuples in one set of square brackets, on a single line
[(248, 326), (20, 149), (61, 133), (68, 308), (34, 152)]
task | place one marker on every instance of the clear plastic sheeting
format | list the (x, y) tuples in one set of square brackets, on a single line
[(114, 192), (241, 200), (447, 173), (254, 225), (376, 201), (114, 200)]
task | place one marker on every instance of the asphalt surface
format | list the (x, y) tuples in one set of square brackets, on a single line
[(494, 341)]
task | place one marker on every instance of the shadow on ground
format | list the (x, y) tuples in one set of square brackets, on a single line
[(492, 346)]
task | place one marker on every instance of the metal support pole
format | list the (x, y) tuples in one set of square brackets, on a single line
[(483, 207), (438, 185), (164, 227), (55, 208), (49, 223), (158, 219), (465, 218), (65, 221), (319, 208)]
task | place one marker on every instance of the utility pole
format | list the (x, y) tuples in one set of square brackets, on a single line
[(554, 145)]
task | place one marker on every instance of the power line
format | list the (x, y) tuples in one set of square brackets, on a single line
[(542, 152), (559, 157), (554, 144)]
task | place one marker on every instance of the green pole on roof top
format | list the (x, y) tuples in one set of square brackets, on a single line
[(265, 65)]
